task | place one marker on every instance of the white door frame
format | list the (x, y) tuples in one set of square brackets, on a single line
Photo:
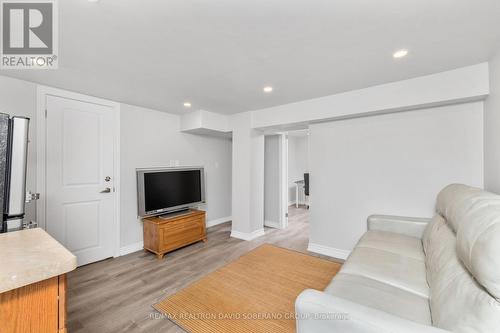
[(41, 123), (283, 180)]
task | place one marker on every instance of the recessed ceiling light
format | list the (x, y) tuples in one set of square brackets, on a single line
[(268, 89), (187, 104), (400, 54)]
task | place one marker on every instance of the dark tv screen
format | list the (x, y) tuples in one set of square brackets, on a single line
[(164, 190)]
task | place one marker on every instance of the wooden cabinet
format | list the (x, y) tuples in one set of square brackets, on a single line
[(36, 308), (162, 235)]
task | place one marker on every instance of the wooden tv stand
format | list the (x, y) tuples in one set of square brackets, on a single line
[(165, 234)]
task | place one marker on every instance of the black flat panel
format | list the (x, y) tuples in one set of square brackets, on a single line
[(170, 189)]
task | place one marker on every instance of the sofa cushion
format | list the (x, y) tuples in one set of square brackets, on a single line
[(458, 303), (439, 246), (440, 256), (437, 222), (475, 217), (453, 201), (478, 244), (406, 246), (390, 268), (381, 296), (463, 305)]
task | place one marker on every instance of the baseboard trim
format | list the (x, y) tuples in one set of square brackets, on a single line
[(272, 224), (247, 235), (328, 251), (131, 248), (221, 220)]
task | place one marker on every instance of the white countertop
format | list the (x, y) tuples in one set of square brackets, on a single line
[(29, 256)]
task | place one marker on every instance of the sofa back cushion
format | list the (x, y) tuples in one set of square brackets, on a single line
[(453, 201), (478, 246), (474, 215), (459, 300)]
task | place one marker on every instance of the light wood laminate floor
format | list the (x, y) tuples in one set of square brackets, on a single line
[(116, 295)]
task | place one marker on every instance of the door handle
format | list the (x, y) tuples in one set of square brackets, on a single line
[(106, 190)]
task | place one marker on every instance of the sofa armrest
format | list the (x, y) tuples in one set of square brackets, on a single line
[(409, 226), (318, 312)]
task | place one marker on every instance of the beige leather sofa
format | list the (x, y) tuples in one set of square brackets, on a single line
[(417, 275)]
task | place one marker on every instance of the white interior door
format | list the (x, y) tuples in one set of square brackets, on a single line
[(284, 180), (276, 181), (80, 194)]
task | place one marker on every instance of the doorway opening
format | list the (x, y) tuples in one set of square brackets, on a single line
[(298, 170), (286, 177)]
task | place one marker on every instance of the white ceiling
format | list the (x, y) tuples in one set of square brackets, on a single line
[(219, 54)]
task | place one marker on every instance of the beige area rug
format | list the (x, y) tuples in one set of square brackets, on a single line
[(255, 293)]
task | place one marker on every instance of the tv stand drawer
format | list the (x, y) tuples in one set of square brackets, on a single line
[(178, 234), (163, 235)]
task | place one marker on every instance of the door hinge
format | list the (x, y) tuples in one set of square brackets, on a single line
[(45, 113), (286, 215)]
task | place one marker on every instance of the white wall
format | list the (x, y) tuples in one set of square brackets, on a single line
[(248, 178), (18, 98), (298, 163), (152, 138), (272, 183), (389, 164), (492, 129)]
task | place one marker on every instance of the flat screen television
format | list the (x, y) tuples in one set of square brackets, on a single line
[(167, 190)]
